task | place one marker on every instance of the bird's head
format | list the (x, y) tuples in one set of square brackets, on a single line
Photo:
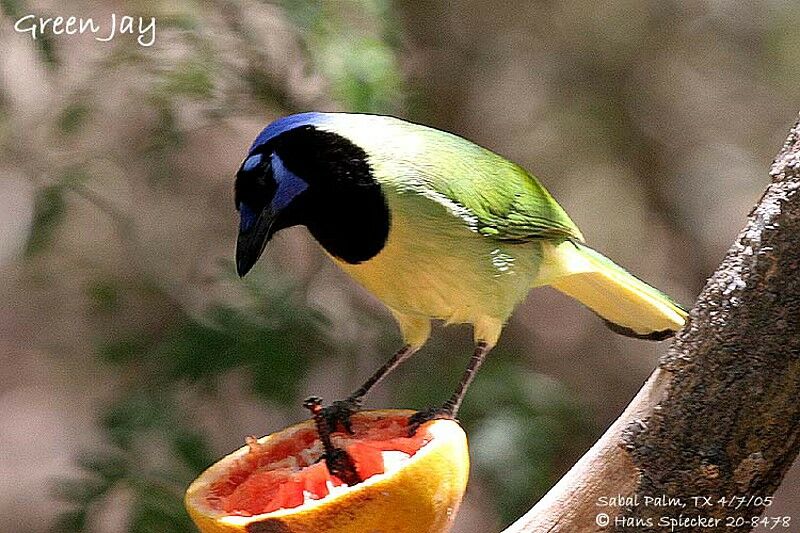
[(265, 188), (298, 173)]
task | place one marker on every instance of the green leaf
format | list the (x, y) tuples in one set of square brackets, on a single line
[(125, 350), (104, 295), (73, 117), (79, 491), (111, 468), (158, 510), (127, 420), (49, 211), (191, 79), (181, 21), (193, 450), (12, 8), (347, 42), (71, 522), (164, 139)]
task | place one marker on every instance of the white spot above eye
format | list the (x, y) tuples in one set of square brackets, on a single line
[(251, 162)]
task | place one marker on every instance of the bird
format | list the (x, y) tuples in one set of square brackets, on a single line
[(436, 227)]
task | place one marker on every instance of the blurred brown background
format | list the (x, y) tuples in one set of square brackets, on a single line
[(132, 356)]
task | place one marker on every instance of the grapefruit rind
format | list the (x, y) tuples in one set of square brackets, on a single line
[(421, 496)]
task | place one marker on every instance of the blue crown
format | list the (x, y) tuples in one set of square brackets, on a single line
[(285, 124)]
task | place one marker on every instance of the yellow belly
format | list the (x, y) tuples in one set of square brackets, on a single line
[(434, 266)]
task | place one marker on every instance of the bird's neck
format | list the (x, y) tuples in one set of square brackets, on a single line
[(350, 224)]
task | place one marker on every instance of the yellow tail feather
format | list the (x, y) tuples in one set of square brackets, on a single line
[(628, 305)]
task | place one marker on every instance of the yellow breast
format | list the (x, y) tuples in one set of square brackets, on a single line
[(434, 266)]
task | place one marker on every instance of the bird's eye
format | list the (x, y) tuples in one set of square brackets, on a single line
[(251, 162), (254, 182)]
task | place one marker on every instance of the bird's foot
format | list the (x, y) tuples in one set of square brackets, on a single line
[(338, 461), (341, 465), (338, 414), (432, 413)]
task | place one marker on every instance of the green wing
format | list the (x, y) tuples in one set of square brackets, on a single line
[(507, 202)]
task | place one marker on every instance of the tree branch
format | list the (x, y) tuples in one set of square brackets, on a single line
[(720, 417)]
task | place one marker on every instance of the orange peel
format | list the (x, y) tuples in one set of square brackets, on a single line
[(420, 494)]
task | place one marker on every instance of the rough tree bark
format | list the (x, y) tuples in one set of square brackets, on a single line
[(720, 417)]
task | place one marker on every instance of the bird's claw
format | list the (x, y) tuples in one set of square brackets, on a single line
[(425, 415), (339, 414), (338, 461), (341, 465)]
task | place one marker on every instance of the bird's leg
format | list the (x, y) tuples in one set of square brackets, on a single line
[(339, 412), (401, 355), (450, 408)]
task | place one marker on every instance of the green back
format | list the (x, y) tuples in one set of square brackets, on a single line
[(498, 198)]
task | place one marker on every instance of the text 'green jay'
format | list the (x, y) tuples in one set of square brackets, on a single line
[(435, 226)]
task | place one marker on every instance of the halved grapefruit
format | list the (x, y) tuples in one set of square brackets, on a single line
[(278, 484)]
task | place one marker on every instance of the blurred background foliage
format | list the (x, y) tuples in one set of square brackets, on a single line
[(133, 356)]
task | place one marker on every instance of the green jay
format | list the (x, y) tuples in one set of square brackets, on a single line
[(436, 227)]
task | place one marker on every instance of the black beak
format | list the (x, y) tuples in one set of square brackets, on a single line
[(252, 241)]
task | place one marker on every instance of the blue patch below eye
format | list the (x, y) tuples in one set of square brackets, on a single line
[(289, 184), (248, 217), (251, 162)]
